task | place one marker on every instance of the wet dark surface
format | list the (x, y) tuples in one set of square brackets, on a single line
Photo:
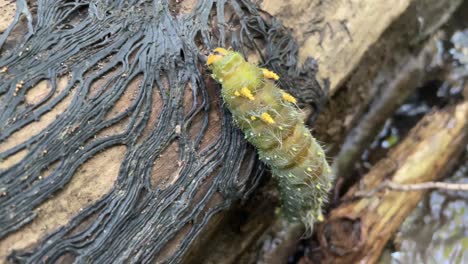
[(145, 46), (437, 231)]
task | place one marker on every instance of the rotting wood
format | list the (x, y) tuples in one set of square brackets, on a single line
[(382, 107), (392, 77), (359, 228), (381, 67), (337, 33), (43, 222)]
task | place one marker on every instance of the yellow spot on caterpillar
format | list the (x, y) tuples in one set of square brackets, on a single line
[(212, 58), (267, 118), (253, 118), (269, 74), (309, 169), (236, 93), (280, 128), (289, 98), (318, 187), (221, 51), (245, 92), (294, 149), (328, 170)]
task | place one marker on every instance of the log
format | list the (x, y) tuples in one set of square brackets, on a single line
[(100, 192), (358, 230), (338, 34)]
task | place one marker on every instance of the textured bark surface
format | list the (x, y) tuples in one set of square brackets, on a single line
[(169, 161), (358, 230), (113, 146)]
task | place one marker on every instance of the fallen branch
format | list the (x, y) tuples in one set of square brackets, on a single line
[(358, 230)]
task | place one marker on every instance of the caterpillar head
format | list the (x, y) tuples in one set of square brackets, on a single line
[(216, 57), (230, 69), (221, 61)]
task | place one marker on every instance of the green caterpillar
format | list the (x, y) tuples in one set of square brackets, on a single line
[(272, 122)]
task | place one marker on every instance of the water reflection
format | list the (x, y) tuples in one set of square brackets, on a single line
[(437, 230)]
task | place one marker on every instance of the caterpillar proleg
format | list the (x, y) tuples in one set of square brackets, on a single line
[(272, 122)]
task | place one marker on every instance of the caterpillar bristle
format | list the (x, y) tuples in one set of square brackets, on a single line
[(273, 123)]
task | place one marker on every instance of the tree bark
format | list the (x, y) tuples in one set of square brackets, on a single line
[(343, 36)]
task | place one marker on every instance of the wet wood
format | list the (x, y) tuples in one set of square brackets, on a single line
[(357, 230), (337, 33)]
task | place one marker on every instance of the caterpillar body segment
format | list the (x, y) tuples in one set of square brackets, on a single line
[(271, 122)]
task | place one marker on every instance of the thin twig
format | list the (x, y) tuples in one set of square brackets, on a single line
[(413, 187), (426, 185)]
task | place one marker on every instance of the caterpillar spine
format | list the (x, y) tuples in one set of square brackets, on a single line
[(273, 123)]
